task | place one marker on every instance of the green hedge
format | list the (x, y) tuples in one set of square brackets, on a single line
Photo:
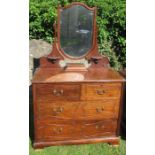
[(111, 21)]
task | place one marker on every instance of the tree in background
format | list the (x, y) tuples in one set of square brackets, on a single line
[(111, 22)]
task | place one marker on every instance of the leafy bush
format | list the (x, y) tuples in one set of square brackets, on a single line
[(110, 20)]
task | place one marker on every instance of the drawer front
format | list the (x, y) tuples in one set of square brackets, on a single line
[(57, 110), (102, 128), (89, 110), (98, 110), (102, 91), (76, 130), (56, 131), (57, 92)]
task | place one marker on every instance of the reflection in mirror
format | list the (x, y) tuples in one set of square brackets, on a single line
[(76, 30)]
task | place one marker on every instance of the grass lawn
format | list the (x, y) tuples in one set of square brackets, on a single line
[(86, 149)]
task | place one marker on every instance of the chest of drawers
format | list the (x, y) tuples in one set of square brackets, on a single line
[(76, 112)]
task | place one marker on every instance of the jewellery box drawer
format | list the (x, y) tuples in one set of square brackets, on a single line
[(98, 110), (60, 92), (103, 91)]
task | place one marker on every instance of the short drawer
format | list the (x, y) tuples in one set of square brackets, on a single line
[(59, 92), (100, 128), (102, 91), (98, 110)]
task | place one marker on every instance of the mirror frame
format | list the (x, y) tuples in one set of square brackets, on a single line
[(94, 36)]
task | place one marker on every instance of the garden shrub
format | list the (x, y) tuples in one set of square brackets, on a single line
[(111, 22)]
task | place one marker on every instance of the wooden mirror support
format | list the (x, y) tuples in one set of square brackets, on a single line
[(92, 56), (76, 103)]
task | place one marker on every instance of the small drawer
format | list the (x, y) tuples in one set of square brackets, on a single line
[(98, 110), (57, 110), (101, 128), (57, 92), (102, 91)]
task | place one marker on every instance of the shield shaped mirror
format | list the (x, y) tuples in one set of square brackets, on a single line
[(76, 31)]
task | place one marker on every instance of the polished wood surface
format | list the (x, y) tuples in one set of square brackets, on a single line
[(61, 92), (81, 110), (44, 75), (113, 140), (77, 130), (98, 110), (76, 104), (98, 91)]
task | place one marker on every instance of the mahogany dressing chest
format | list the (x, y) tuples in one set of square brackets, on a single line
[(76, 95)]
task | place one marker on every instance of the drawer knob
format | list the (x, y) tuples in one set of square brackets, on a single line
[(100, 92), (99, 110), (58, 92)]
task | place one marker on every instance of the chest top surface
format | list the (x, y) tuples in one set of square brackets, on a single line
[(47, 75)]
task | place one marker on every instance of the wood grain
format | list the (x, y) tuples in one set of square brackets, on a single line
[(77, 130), (69, 110), (61, 92), (92, 110), (102, 91), (107, 139)]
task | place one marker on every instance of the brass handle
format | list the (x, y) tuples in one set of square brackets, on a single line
[(58, 92), (99, 126), (99, 110), (100, 92), (58, 110), (57, 130)]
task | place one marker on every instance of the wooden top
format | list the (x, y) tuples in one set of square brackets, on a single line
[(48, 75)]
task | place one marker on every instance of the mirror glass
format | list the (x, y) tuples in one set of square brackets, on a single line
[(76, 30)]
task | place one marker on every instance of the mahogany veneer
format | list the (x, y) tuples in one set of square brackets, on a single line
[(76, 112), (75, 104)]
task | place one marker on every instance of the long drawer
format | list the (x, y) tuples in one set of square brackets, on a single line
[(77, 130), (90, 110)]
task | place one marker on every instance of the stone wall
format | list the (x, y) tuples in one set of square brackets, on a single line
[(37, 49)]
